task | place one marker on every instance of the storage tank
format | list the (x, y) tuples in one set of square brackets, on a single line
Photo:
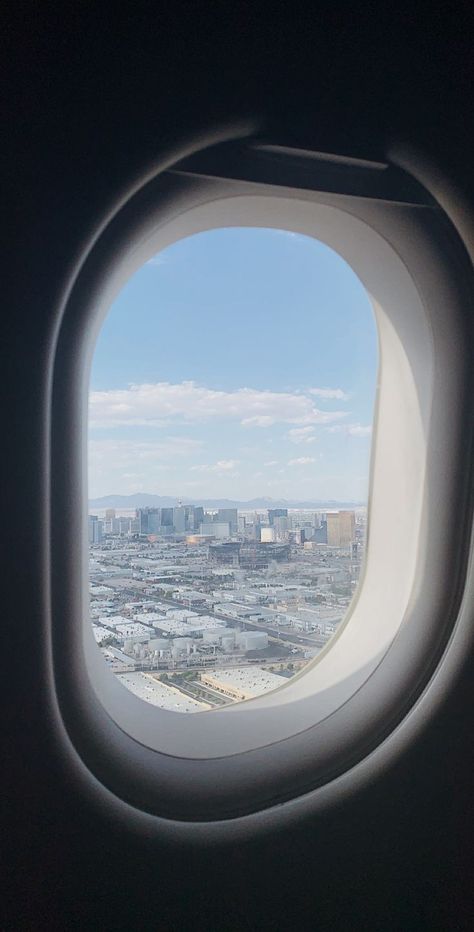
[(159, 644), (212, 635), (183, 644), (254, 640)]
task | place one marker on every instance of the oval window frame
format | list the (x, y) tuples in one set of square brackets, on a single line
[(248, 779)]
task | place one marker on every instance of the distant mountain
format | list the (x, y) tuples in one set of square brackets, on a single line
[(146, 500)]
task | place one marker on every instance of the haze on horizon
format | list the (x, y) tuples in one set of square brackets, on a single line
[(144, 499)]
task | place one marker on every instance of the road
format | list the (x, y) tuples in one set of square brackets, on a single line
[(296, 640)]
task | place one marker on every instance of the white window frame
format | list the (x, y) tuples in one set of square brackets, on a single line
[(361, 687)]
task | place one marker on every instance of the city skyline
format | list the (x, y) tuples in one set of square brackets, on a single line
[(191, 400)]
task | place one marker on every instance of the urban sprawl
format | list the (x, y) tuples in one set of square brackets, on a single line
[(195, 609)]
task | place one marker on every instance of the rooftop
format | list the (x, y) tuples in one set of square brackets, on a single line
[(159, 694), (253, 681)]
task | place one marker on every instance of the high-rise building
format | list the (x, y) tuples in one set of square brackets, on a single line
[(276, 513), (109, 520), (280, 526), (321, 533), (95, 529), (340, 528), (228, 516), (179, 519), (154, 521), (167, 517), (123, 526), (142, 517), (198, 517), (301, 535), (149, 520)]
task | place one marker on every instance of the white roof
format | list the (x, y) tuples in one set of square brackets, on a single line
[(206, 621), (113, 621), (236, 609), (198, 623), (134, 629), (147, 617), (253, 680), (181, 613), (100, 633), (159, 694)]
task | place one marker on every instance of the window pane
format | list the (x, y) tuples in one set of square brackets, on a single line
[(231, 406)]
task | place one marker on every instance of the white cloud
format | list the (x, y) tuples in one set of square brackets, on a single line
[(271, 463), (161, 403), (116, 452), (302, 435), (358, 430), (336, 393), (351, 430), (301, 461), (259, 420), (124, 466), (222, 466)]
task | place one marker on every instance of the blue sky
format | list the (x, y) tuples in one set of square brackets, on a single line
[(236, 363)]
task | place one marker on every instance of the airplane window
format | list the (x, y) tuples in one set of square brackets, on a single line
[(230, 416), (271, 365)]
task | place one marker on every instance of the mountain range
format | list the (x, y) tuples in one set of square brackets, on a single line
[(146, 500)]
